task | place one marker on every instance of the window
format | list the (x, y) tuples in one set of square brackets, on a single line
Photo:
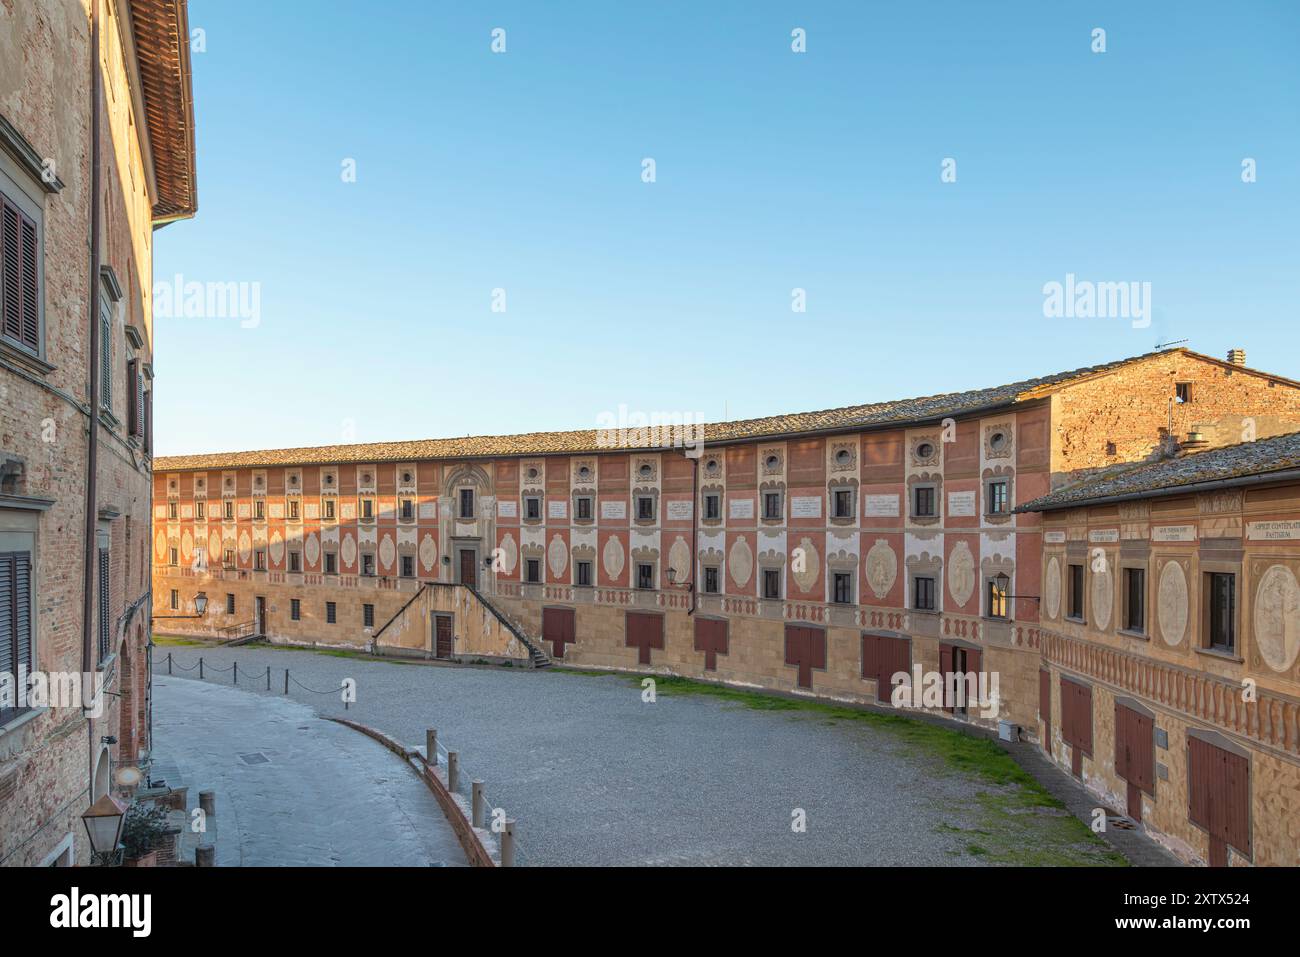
[(923, 501), (367, 509), (228, 558), (408, 566), (200, 510), (331, 613), (259, 560), (1135, 580), (923, 593), (584, 573), (1182, 392), (1221, 592), (771, 583), (842, 593), (105, 353), (329, 508), (532, 507), (295, 561), (105, 625), (20, 273), (467, 503), (712, 505), (259, 510), (368, 616), (997, 599), (367, 564), (230, 603), (173, 556), (645, 508), (999, 497), (293, 509), (408, 510), (772, 505), (533, 570), (843, 507), (331, 563), (295, 609), (582, 508), (1075, 587), (175, 600), (645, 575), (16, 647), (229, 511), (171, 511), (711, 579)]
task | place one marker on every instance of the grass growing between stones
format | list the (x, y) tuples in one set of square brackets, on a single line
[(176, 641), (1016, 820)]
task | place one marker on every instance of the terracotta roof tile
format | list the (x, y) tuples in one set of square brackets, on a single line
[(1261, 457)]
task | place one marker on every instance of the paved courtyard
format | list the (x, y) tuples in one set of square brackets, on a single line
[(293, 789), (594, 775)]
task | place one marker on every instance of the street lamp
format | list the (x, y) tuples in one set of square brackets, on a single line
[(201, 603), (104, 827)]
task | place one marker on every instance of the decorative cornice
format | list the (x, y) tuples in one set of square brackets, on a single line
[(25, 155)]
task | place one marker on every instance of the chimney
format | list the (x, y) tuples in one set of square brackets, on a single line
[(1194, 442), (1237, 357)]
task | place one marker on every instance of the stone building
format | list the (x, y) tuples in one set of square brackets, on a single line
[(96, 152), (1170, 627), (819, 553)]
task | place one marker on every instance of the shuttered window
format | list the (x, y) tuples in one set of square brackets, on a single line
[(1076, 721), (15, 622), (147, 427), (1219, 797), (883, 657), (106, 359), (134, 398), (1135, 754), (20, 284), (105, 583)]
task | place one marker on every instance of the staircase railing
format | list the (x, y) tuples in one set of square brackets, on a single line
[(534, 652), (238, 632)]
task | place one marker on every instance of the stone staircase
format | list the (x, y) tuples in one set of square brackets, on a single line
[(537, 657)]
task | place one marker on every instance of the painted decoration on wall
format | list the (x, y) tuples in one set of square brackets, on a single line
[(160, 545), (187, 546), (1103, 597), (214, 545), (1277, 617), (882, 568), (613, 557), (312, 548), (1052, 588), (387, 551), (557, 555), (740, 562), (349, 549), (245, 547), (679, 560), (1171, 603), (961, 573), (429, 552), (805, 564), (276, 547)]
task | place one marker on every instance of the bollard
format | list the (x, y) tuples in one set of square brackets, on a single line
[(268, 677), (169, 662), (453, 769), (200, 668), (208, 803), (286, 680), (234, 674), (205, 855), (508, 844), (431, 747), (477, 804)]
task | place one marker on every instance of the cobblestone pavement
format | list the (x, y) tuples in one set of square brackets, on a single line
[(595, 776), (293, 789)]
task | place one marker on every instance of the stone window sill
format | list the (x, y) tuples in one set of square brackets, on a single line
[(21, 357), (1138, 635), (18, 721), (1223, 655)]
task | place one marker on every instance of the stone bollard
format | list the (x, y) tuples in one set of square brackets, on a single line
[(208, 803), (431, 747), (508, 844), (453, 770), (478, 802), (205, 855)]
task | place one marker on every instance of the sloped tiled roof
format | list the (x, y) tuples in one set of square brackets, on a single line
[(1249, 459), (849, 418), (162, 48)]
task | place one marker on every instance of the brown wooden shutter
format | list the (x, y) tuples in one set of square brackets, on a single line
[(15, 619), (1219, 795), (106, 364), (148, 421), (104, 605), (11, 270), (31, 331), (945, 669), (872, 660)]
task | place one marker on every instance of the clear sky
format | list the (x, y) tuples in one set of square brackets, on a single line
[(522, 171)]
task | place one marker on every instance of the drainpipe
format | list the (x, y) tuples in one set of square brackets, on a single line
[(92, 458), (695, 526)]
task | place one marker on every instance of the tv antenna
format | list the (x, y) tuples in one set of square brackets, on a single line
[(1176, 342)]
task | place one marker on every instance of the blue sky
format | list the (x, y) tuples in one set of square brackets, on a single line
[(522, 171)]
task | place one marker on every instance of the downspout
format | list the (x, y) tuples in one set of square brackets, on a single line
[(92, 458), (695, 527)]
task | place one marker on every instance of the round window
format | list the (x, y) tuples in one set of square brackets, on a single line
[(645, 471), (532, 473), (843, 456), (406, 477), (924, 450), (773, 461), (584, 472), (998, 440)]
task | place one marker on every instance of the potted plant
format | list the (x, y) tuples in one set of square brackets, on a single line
[(143, 830)]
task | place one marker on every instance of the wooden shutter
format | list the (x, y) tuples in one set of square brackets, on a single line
[(1076, 715), (134, 398), (20, 289), (106, 363), (945, 669), (15, 620), (1219, 793), (1135, 747), (104, 583), (148, 421)]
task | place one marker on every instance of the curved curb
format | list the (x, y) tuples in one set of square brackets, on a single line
[(476, 842)]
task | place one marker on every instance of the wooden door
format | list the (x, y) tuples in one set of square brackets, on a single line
[(442, 636), (882, 658), (1135, 756), (559, 628), (1045, 707), (1219, 797), (261, 615), (469, 567)]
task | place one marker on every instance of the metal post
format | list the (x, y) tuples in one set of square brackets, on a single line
[(205, 855), (169, 662), (268, 677), (286, 680), (234, 674), (453, 769), (477, 804), (200, 667), (431, 747), (508, 844)]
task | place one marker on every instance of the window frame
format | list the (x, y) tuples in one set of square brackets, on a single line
[(27, 206), (931, 588)]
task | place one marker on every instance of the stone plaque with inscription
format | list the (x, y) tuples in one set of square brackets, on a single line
[(880, 506)]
